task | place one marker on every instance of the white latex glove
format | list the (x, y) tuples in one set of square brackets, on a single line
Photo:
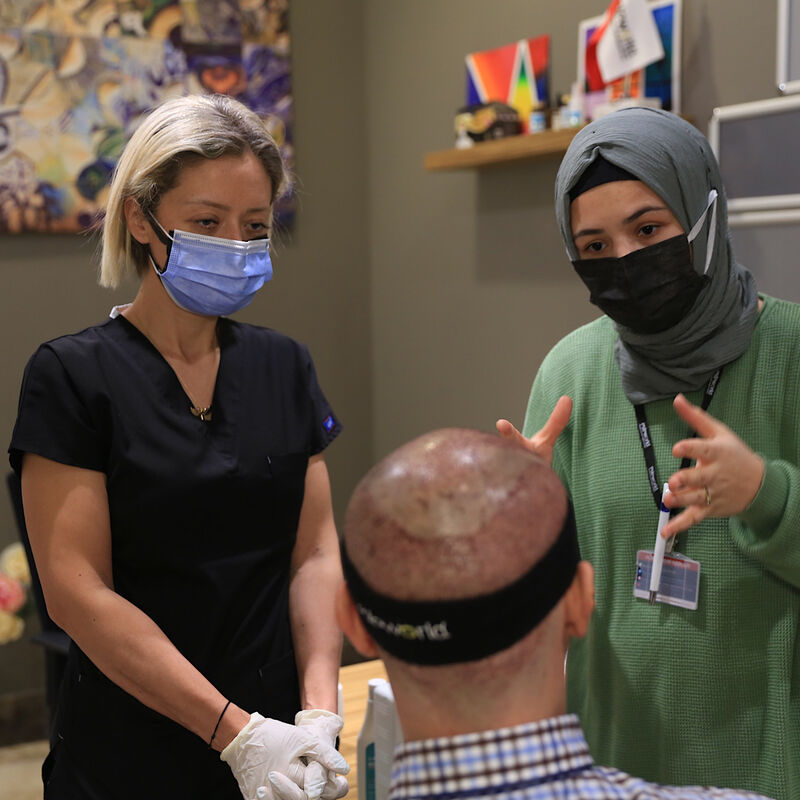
[(319, 781), (267, 746)]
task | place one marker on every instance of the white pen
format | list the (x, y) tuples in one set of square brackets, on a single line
[(658, 551)]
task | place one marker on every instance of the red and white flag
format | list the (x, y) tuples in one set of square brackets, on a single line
[(626, 41)]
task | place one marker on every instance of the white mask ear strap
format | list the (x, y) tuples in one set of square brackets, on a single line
[(712, 204)]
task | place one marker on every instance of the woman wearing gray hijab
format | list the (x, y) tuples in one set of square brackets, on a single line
[(703, 685)]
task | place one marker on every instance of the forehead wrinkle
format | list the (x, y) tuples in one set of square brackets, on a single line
[(223, 206)]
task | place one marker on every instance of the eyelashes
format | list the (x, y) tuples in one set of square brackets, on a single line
[(598, 246)]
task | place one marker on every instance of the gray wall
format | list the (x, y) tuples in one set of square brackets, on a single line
[(427, 299)]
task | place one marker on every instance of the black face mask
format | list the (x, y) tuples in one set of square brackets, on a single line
[(648, 290)]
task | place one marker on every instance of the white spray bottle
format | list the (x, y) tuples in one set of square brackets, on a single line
[(365, 747)]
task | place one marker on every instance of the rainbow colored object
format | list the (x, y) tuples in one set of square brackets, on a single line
[(516, 74)]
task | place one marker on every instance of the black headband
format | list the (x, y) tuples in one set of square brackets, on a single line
[(597, 173), (454, 631)]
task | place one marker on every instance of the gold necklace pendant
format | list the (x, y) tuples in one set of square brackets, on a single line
[(203, 413)]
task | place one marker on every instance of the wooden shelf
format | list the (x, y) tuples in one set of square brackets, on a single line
[(502, 151)]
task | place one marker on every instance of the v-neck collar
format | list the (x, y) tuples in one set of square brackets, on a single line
[(170, 383)]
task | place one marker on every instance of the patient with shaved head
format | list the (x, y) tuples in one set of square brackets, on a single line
[(462, 573)]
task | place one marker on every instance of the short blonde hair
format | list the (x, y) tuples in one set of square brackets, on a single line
[(176, 133)]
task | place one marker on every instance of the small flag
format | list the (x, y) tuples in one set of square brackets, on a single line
[(329, 423), (626, 41)]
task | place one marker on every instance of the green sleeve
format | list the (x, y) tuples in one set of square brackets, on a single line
[(768, 530)]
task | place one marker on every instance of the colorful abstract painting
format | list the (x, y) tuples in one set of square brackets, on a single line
[(77, 77), (660, 79), (517, 74)]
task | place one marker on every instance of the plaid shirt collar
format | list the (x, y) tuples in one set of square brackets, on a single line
[(490, 762)]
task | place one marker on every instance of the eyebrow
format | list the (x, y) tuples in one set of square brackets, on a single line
[(631, 218), (223, 207)]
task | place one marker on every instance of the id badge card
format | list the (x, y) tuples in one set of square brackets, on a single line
[(680, 579)]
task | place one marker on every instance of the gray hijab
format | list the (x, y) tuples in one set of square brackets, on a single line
[(673, 159)]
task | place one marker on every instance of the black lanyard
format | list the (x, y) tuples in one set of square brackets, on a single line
[(647, 443)]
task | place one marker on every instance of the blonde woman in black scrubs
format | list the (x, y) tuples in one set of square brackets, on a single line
[(176, 495)]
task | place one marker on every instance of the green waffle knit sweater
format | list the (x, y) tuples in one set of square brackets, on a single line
[(675, 696)]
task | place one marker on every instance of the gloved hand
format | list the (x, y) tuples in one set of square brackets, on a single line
[(319, 781), (267, 746)]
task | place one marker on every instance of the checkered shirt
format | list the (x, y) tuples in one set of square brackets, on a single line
[(544, 759)]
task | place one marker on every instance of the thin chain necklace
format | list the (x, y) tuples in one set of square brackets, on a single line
[(203, 413)]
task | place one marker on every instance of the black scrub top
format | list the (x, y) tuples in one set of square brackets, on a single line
[(203, 521)]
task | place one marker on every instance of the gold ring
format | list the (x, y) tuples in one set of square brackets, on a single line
[(708, 496)]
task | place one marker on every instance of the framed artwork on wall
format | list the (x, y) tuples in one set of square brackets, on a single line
[(661, 79), (788, 50), (77, 77), (517, 74)]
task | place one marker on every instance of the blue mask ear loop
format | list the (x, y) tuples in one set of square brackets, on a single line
[(164, 237), (692, 235)]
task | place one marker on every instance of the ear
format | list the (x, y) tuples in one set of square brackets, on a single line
[(137, 223), (579, 601), (349, 621)]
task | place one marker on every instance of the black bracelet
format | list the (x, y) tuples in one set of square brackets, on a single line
[(216, 727)]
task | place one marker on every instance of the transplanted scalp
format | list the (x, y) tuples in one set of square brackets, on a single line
[(454, 513)]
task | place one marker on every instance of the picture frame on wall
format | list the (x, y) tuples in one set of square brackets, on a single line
[(787, 75), (661, 79), (76, 79), (517, 74)]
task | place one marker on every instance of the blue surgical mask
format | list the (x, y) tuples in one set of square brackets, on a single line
[(210, 275)]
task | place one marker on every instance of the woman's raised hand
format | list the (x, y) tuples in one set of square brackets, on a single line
[(543, 441), (726, 477)]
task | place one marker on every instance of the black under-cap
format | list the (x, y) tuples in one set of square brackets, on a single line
[(597, 173)]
